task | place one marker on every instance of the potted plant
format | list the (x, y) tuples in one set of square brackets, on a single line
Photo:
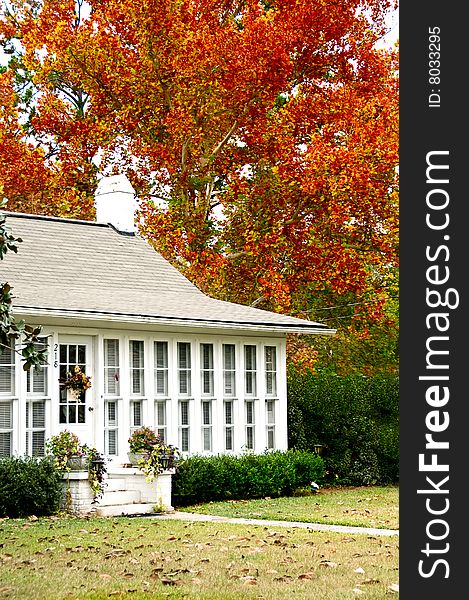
[(150, 453), (76, 382), (141, 443), (70, 455), (67, 451)]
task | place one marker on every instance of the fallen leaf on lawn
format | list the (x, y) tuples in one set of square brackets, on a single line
[(33, 518), (360, 570), (116, 593), (204, 560), (196, 581), (168, 582), (327, 563), (272, 572), (83, 531), (250, 580), (358, 591), (394, 587), (283, 578), (105, 576), (368, 581), (171, 538), (309, 575), (5, 590)]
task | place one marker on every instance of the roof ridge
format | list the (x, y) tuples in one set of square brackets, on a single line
[(57, 219)]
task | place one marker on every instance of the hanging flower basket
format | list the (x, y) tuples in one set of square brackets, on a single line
[(76, 382)]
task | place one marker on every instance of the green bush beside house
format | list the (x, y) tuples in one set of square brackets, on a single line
[(355, 417), (29, 486)]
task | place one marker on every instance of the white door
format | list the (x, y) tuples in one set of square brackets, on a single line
[(76, 413)]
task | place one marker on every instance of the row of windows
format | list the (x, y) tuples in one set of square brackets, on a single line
[(185, 370), (75, 354), (184, 425), (36, 425)]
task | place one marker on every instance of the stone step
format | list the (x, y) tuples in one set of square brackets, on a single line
[(124, 509), (115, 484), (117, 497)]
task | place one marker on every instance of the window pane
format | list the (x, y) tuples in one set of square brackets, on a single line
[(5, 444), (5, 415), (229, 438), (161, 413), (206, 413), (229, 413), (184, 413)]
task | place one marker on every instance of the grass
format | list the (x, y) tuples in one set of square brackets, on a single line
[(141, 558), (359, 506)]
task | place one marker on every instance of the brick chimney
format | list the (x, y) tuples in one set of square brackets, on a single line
[(115, 203)]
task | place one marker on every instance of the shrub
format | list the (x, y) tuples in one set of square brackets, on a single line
[(29, 486), (355, 417), (223, 477)]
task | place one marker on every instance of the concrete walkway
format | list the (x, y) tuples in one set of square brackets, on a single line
[(187, 516)]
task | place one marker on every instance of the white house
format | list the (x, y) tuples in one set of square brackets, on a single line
[(208, 375)]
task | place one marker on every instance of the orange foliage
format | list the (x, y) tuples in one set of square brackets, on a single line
[(261, 136)]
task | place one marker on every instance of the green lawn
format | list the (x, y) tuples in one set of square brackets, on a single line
[(147, 558), (360, 506)]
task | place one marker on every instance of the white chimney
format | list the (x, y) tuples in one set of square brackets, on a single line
[(115, 203)]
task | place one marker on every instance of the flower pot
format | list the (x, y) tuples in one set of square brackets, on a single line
[(135, 457), (77, 463), (73, 395)]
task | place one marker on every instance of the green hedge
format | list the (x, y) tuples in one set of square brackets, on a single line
[(29, 486), (355, 417), (223, 477)]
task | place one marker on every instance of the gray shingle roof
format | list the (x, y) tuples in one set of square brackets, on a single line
[(79, 267)]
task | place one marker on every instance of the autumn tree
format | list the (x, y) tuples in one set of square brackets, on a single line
[(261, 137)]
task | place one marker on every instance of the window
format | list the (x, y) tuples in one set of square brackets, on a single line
[(270, 420), (250, 370), (160, 413), (35, 427), (110, 427), (207, 425), (161, 368), (206, 369), (111, 368), (6, 427), (249, 415), (36, 379), (136, 415), (71, 408), (184, 368), (136, 368), (270, 355), (229, 425), (229, 370), (7, 371), (184, 425)]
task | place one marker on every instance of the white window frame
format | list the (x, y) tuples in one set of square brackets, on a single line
[(207, 422), (111, 426), (111, 367), (184, 420), (161, 370), (135, 423), (270, 365), (6, 430), (270, 410), (228, 424), (229, 371), (9, 362), (32, 427), (139, 369), (250, 424), (33, 373), (250, 374), (161, 418), (187, 369), (207, 370)]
